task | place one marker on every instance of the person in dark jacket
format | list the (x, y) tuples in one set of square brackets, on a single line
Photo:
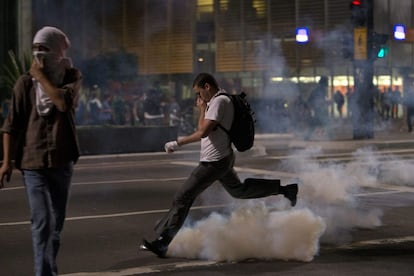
[(409, 105), (318, 104), (39, 135)]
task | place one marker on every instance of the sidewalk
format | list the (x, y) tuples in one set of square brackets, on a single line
[(388, 135)]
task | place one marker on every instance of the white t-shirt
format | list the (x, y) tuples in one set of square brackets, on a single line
[(217, 144)]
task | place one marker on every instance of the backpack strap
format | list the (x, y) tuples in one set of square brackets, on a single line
[(223, 128), (219, 125)]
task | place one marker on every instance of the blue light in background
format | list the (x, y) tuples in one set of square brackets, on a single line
[(399, 32), (302, 35)]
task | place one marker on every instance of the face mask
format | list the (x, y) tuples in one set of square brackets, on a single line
[(51, 65), (49, 60), (39, 56)]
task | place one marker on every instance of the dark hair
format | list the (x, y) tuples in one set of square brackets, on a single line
[(204, 78)]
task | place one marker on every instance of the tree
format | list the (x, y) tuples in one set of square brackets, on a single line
[(12, 69)]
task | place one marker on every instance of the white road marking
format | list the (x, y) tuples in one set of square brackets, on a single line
[(146, 269), (130, 180), (391, 189), (101, 156), (378, 242), (125, 214), (113, 182), (244, 170)]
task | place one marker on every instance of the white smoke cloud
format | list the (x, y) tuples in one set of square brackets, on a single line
[(328, 209), (329, 190), (397, 172), (252, 232)]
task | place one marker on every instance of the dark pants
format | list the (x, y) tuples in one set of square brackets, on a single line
[(47, 192), (410, 115), (200, 179)]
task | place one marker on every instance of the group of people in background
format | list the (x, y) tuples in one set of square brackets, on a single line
[(316, 112), (98, 106), (388, 103), (117, 107)]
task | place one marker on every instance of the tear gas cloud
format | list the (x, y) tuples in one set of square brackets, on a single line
[(328, 209), (252, 231)]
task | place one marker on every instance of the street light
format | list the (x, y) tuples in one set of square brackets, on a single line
[(302, 35), (399, 32)]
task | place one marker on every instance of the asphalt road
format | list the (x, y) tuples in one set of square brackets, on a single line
[(353, 217)]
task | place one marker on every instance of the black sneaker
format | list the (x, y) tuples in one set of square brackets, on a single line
[(291, 192), (157, 247)]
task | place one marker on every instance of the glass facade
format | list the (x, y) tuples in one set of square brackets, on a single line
[(249, 44)]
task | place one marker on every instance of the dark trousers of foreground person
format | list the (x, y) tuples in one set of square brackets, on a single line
[(48, 192), (409, 119), (204, 175)]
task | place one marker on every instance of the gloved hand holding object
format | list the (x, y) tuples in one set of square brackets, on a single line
[(171, 146)]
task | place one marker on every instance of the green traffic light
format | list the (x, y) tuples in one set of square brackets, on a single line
[(382, 52)]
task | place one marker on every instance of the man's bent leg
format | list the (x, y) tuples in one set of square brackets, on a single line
[(201, 178), (257, 187)]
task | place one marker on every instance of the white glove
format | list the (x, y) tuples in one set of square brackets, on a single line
[(171, 146)]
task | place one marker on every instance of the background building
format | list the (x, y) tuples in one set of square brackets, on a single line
[(249, 44)]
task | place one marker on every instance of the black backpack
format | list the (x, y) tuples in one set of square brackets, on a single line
[(242, 128)]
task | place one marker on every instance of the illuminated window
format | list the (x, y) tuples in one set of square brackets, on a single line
[(260, 6), (205, 6), (224, 5), (204, 10)]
